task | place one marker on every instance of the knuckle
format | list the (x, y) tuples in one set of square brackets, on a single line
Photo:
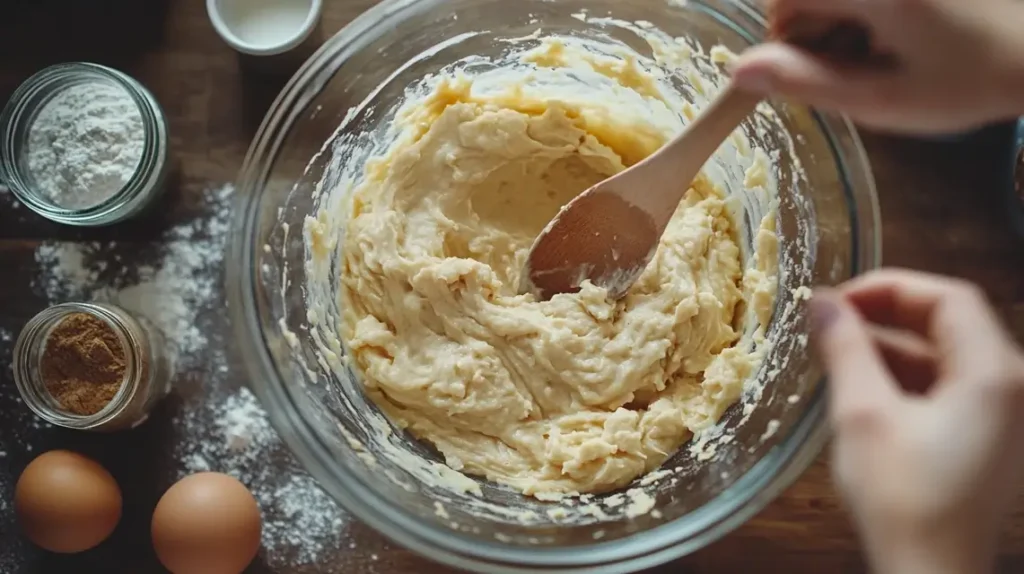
[(887, 275), (964, 291), (879, 274), (840, 338), (1004, 378), (843, 349), (970, 301), (860, 418)]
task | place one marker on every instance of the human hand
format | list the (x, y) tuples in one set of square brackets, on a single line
[(949, 65), (927, 406)]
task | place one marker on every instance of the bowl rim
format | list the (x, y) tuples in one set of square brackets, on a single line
[(738, 503)]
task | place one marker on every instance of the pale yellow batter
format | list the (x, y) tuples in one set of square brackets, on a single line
[(572, 395)]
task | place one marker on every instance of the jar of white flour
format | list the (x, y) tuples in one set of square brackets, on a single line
[(83, 144)]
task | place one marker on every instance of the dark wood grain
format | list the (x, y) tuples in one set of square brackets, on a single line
[(943, 208)]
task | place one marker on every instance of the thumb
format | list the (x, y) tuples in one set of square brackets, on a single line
[(859, 380), (783, 69)]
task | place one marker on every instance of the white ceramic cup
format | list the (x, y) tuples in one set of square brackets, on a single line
[(264, 27)]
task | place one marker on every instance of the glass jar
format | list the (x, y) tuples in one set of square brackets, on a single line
[(137, 193), (147, 377)]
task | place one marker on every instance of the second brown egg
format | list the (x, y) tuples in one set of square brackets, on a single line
[(206, 523)]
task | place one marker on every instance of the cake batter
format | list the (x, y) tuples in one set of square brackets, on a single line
[(573, 395)]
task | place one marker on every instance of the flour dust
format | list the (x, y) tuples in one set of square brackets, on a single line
[(85, 144), (176, 283)]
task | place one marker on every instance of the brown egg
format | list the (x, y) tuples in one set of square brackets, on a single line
[(66, 502), (206, 523)]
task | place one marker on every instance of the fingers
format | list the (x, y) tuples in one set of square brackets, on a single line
[(811, 38), (953, 315), (798, 21), (860, 384), (779, 68), (860, 10), (910, 359)]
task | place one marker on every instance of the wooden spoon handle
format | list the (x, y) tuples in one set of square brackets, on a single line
[(713, 126), (682, 158)]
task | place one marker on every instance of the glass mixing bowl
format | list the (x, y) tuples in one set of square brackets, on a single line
[(828, 222)]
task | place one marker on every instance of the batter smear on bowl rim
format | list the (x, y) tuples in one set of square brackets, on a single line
[(578, 394)]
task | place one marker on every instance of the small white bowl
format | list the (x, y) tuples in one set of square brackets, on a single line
[(264, 27)]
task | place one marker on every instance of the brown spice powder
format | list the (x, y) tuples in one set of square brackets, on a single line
[(83, 364)]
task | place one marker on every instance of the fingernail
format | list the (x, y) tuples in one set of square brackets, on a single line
[(824, 312)]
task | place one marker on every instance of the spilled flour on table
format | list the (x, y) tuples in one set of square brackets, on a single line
[(179, 280), (176, 283), (16, 448), (232, 434)]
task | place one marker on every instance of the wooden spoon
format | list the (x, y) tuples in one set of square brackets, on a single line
[(610, 232)]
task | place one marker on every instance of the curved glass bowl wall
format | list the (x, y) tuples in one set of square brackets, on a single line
[(833, 206)]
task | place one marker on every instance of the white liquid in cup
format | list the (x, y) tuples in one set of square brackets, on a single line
[(265, 23)]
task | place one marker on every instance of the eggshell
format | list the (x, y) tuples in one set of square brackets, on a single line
[(66, 502), (206, 523)]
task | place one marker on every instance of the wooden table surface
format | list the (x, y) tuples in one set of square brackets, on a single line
[(941, 205)]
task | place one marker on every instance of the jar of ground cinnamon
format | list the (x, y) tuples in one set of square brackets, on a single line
[(91, 366)]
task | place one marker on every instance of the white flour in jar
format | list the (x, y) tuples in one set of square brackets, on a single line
[(85, 144)]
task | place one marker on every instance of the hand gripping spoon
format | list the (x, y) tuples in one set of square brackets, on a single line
[(610, 232)]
